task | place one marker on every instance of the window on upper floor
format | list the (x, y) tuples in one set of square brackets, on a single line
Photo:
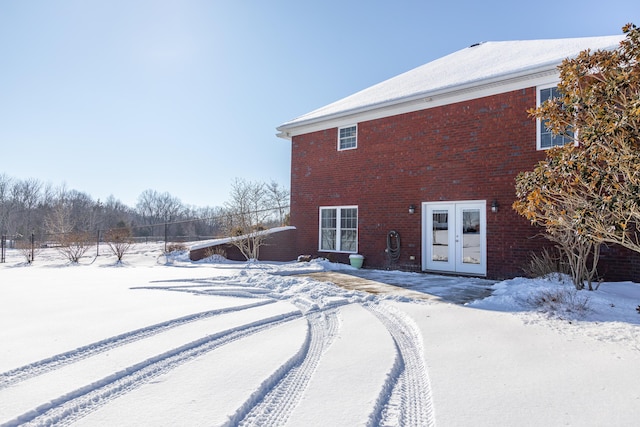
[(339, 229), (347, 137), (545, 138)]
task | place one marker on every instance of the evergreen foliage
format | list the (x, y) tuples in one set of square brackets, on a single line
[(588, 193)]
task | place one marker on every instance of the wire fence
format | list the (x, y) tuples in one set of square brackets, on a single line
[(168, 232)]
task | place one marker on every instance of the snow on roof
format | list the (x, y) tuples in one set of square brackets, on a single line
[(474, 65), (224, 240)]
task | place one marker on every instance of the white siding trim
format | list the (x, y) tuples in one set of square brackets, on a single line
[(422, 102)]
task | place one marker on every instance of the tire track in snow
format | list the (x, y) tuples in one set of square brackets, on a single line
[(278, 396), (40, 367), (215, 288), (74, 405), (406, 398)]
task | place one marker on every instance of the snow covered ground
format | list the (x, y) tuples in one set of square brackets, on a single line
[(160, 341)]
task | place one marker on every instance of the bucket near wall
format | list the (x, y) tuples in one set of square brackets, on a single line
[(356, 260)]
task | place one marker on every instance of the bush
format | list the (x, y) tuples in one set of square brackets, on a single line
[(119, 241), (74, 245), (176, 247), (546, 264), (27, 250), (561, 302), (215, 251)]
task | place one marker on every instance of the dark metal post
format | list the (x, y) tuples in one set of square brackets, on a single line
[(165, 237), (33, 240)]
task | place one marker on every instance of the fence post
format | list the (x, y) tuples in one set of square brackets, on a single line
[(3, 244), (33, 240), (165, 237)]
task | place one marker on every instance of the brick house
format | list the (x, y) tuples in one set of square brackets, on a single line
[(432, 155)]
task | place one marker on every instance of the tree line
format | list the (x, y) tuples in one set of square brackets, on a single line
[(31, 207)]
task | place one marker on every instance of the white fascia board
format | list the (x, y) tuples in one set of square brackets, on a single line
[(423, 101)]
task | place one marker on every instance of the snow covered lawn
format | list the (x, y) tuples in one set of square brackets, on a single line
[(170, 342)]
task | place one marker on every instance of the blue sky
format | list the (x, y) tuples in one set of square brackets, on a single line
[(116, 97)]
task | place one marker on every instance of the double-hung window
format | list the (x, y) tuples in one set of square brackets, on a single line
[(546, 138), (348, 137), (339, 229)]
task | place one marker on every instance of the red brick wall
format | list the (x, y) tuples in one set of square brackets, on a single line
[(279, 246), (618, 263), (471, 150)]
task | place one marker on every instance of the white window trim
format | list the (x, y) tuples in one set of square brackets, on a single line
[(338, 228), (538, 124), (538, 121), (348, 148)]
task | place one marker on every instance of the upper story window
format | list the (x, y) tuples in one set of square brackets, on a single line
[(339, 229), (347, 137), (545, 138)]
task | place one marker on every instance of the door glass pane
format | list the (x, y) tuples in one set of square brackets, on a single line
[(440, 244), (471, 236)]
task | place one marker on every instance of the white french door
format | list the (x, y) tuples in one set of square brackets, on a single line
[(454, 237)]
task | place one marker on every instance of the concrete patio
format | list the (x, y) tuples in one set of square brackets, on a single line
[(454, 289)]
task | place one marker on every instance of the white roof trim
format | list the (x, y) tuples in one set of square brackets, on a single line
[(419, 102), (481, 70)]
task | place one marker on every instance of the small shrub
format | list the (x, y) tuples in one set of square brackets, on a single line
[(215, 251), (74, 245), (119, 241), (176, 247), (173, 252), (546, 264), (27, 250), (561, 302)]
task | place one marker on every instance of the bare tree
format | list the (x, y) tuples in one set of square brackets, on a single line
[(210, 221), (84, 210), (115, 213), (25, 196), (246, 215), (5, 202), (278, 198), (29, 206), (156, 208), (59, 220)]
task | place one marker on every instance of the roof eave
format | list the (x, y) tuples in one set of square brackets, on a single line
[(287, 130)]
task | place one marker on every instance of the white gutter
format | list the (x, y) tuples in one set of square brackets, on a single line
[(436, 97)]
